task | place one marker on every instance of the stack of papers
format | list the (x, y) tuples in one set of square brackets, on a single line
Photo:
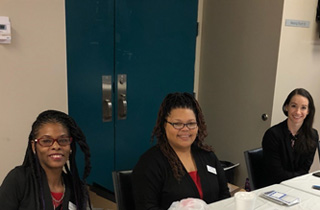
[(280, 198)]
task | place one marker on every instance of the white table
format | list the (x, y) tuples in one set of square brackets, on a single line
[(307, 200), (304, 183)]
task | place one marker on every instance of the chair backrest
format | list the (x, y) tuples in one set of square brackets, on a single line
[(123, 189), (255, 168)]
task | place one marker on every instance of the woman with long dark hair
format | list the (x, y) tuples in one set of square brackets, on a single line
[(48, 179), (181, 165), (289, 147)]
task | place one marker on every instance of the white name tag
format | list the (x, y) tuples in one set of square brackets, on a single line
[(211, 169), (72, 206)]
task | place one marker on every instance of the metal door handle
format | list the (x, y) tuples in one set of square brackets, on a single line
[(106, 99), (122, 96), (108, 109), (123, 106)]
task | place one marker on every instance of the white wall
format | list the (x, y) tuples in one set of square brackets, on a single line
[(32, 72), (299, 56), (299, 59)]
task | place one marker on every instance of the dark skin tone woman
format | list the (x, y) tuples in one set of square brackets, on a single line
[(181, 165), (48, 179)]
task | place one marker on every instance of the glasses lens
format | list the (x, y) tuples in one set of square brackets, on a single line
[(46, 142), (178, 125), (64, 141), (192, 125)]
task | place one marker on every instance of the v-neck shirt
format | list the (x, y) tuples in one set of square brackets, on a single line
[(196, 178)]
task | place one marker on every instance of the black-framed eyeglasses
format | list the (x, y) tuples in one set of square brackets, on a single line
[(179, 126), (48, 141)]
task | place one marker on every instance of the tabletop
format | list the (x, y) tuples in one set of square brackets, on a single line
[(304, 183), (307, 201)]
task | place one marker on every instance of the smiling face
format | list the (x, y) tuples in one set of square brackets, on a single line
[(181, 139), (297, 109), (55, 156)]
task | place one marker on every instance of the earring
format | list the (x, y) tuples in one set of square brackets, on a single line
[(70, 151)]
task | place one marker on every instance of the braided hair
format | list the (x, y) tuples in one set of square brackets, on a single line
[(170, 102), (31, 158)]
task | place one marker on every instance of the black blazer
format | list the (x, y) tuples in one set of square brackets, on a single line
[(17, 191), (155, 188), (280, 159)]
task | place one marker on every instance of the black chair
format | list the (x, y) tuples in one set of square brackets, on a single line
[(255, 168), (123, 189)]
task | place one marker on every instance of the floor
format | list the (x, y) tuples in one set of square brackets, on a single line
[(100, 203)]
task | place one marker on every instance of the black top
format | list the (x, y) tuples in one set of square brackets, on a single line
[(155, 188), (281, 160), (17, 191)]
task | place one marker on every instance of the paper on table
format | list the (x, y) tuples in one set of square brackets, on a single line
[(280, 198)]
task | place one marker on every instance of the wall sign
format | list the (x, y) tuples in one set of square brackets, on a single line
[(297, 23)]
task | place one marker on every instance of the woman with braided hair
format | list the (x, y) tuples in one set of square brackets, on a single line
[(48, 179), (180, 165)]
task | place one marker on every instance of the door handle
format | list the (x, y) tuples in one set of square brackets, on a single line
[(122, 97), (108, 109), (264, 117), (122, 107), (106, 98)]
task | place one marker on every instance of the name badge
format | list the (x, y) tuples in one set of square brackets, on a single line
[(211, 169), (72, 206)]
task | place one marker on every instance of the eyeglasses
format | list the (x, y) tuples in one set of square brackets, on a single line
[(179, 126), (48, 141)]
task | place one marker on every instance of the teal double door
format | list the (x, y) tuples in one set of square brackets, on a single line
[(123, 58)]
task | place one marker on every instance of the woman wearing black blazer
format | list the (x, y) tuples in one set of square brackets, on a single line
[(48, 179), (289, 147), (181, 165)]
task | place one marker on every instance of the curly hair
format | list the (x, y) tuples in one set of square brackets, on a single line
[(304, 142), (170, 102), (31, 158)]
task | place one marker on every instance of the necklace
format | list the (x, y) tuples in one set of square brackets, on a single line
[(56, 202)]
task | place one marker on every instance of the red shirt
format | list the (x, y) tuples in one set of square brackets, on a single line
[(195, 177), (57, 196)]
